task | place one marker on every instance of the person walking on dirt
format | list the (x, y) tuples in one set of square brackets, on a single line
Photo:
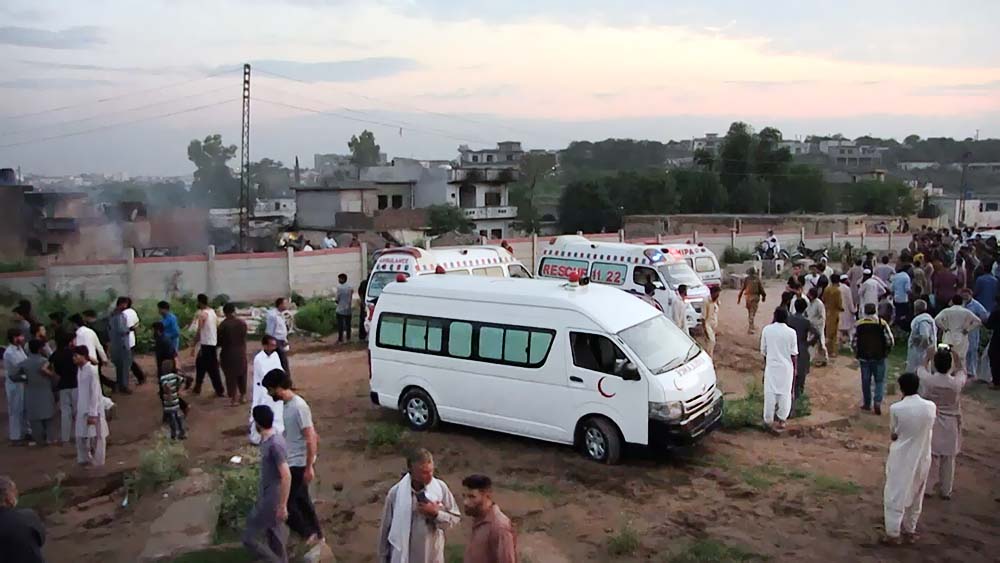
[(14, 387), (264, 363), (711, 321), (418, 510), (233, 354), (972, 355), (302, 445), (833, 301), (91, 423), (132, 320), (492, 539), (805, 336), (753, 290), (849, 312), (911, 422), (872, 342), (171, 328), (779, 346), (855, 276), (923, 336), (816, 313), (956, 323), (205, 349), (942, 385), (118, 345), (276, 327), (170, 398), (265, 535), (345, 305)]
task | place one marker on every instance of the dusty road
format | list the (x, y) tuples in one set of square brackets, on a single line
[(811, 496)]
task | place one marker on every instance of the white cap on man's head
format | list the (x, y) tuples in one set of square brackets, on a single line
[(867, 272)]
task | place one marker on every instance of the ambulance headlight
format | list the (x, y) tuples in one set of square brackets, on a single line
[(668, 412)]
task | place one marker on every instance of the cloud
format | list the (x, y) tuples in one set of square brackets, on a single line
[(69, 38), (46, 83), (104, 68), (466, 93), (336, 71), (975, 89), (768, 83)]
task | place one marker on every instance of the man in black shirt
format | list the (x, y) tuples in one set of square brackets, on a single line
[(62, 364), (21, 532)]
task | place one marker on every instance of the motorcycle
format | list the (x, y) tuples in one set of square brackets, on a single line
[(764, 253), (802, 251)]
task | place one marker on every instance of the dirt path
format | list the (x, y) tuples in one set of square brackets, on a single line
[(814, 496)]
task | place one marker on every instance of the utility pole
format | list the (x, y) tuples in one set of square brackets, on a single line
[(245, 164)]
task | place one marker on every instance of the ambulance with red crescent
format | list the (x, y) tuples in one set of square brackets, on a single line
[(486, 261), (702, 260)]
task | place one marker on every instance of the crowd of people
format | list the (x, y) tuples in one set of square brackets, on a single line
[(940, 297)]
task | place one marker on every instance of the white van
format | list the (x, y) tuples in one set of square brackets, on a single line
[(488, 261), (586, 365), (702, 260), (625, 266)]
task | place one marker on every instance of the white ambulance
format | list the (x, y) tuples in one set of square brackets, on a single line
[(487, 261), (702, 260), (575, 364), (625, 266)]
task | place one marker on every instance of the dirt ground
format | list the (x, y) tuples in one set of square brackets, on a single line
[(810, 495)]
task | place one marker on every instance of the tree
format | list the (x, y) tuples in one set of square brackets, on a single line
[(214, 182), (585, 206), (699, 192), (734, 166), (802, 189), (536, 172), (364, 151), (911, 140), (446, 218), (270, 177), (751, 196)]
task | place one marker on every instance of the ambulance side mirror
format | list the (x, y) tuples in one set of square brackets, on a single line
[(630, 372)]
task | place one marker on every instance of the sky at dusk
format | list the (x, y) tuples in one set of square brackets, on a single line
[(133, 82)]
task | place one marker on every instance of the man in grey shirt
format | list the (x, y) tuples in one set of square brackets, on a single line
[(302, 443), (265, 535), (345, 298), (118, 344)]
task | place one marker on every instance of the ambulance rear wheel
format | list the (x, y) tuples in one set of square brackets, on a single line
[(419, 410)]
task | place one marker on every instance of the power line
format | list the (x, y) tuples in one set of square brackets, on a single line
[(119, 96), (396, 123), (113, 113), (113, 125), (410, 107), (358, 119)]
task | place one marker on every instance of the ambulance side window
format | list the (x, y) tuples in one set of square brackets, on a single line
[(595, 353), (642, 275)]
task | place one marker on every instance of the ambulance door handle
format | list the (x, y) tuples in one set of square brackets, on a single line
[(576, 379)]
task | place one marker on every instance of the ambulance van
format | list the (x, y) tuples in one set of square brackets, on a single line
[(586, 365), (625, 266), (487, 261), (702, 260)]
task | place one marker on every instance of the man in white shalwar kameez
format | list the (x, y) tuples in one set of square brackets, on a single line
[(418, 509), (923, 336), (91, 425), (265, 361), (848, 315), (779, 346), (956, 323), (911, 422), (816, 313)]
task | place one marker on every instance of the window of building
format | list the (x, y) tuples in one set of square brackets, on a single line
[(277, 206), (383, 202), (397, 202), (475, 158), (510, 158), (596, 353), (492, 199), (489, 158), (505, 344), (993, 206), (496, 233)]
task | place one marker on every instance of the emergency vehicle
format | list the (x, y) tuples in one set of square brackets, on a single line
[(626, 266), (702, 260), (487, 261), (564, 362)]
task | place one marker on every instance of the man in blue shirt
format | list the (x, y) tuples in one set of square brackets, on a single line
[(985, 290), (171, 330), (901, 285)]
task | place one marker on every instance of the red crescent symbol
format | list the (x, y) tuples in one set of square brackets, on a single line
[(601, 391)]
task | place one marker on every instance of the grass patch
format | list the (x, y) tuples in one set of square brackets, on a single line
[(385, 435), (801, 407), (159, 465), (317, 316), (454, 553), (235, 554), (239, 493), (733, 255), (714, 551), (762, 476), (540, 489), (828, 485), (896, 361), (45, 500), (744, 412), (623, 542)]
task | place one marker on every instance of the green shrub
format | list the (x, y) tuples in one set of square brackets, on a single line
[(239, 493), (802, 406), (46, 301), (318, 316), (709, 550), (385, 434), (184, 308), (159, 465), (623, 542), (219, 300), (22, 265), (733, 255), (297, 298), (740, 413)]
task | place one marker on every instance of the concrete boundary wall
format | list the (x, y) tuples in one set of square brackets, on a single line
[(243, 277)]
